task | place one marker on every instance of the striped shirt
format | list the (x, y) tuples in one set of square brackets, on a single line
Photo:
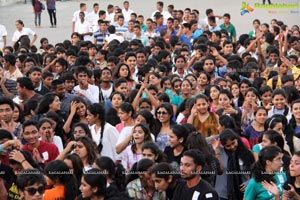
[(99, 37)]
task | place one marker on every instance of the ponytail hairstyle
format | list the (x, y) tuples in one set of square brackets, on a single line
[(259, 168), (98, 111), (58, 172), (95, 178), (180, 132), (114, 172)]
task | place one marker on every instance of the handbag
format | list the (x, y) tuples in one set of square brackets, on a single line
[(42, 6)]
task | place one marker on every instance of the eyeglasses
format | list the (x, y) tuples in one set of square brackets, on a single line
[(80, 132), (32, 191), (161, 113)]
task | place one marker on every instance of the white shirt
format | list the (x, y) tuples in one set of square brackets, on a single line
[(106, 93), (76, 16), (114, 37), (110, 17), (3, 32), (92, 93), (84, 27), (109, 140), (24, 31), (92, 18), (127, 14), (165, 13)]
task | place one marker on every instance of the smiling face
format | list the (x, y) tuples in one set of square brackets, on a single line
[(163, 115), (296, 110), (266, 97), (202, 80), (261, 116), (81, 109), (55, 105), (85, 189), (202, 106), (279, 101), (214, 93), (31, 134), (173, 140)]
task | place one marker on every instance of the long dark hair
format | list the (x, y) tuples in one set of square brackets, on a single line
[(98, 110), (59, 172), (258, 170), (77, 165), (147, 136), (90, 148), (243, 153), (43, 106), (115, 172)]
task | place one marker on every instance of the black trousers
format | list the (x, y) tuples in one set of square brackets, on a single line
[(52, 15)]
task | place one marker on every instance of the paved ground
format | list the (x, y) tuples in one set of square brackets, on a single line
[(10, 13)]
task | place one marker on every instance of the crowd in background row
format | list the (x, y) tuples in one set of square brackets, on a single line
[(176, 108)]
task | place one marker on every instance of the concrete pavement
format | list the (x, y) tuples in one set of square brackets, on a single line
[(65, 9)]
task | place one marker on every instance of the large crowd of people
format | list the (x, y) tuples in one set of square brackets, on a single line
[(166, 107)]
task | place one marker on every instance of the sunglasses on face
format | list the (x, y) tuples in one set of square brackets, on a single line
[(32, 191), (161, 113)]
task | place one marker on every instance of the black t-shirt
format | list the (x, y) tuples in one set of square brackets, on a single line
[(174, 160), (201, 191)]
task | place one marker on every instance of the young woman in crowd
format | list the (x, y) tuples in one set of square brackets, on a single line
[(185, 93), (164, 114), (93, 185), (292, 187), (193, 79), (133, 153), (49, 102), (117, 99), (279, 101), (213, 93), (142, 187), (84, 147), (164, 178), (63, 182), (151, 151), (243, 86), (104, 135), (155, 79), (57, 125), (225, 101), (47, 133), (269, 138), (75, 166), (196, 141), (267, 181), (126, 115), (295, 120), (203, 120), (184, 110), (256, 128), (225, 121), (234, 157), (249, 105), (203, 82), (77, 114), (122, 71), (165, 83), (115, 174), (177, 147), (80, 130), (235, 90), (265, 94)]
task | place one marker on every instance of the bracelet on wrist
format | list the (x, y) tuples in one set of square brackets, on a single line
[(23, 161)]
